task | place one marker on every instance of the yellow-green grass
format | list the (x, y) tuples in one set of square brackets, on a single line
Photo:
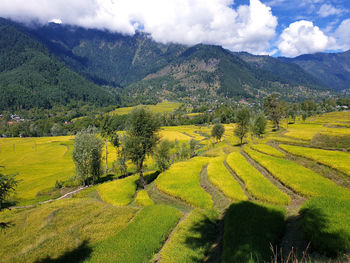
[(141, 239), (303, 131), (335, 159), (198, 227), (182, 181), (119, 192), (38, 163), (173, 135), (302, 180), (264, 148), (284, 139), (256, 184), (162, 107), (250, 229), (54, 229), (220, 177), (332, 117), (326, 223), (190, 130), (142, 198)]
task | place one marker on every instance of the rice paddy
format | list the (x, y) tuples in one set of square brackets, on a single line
[(264, 148), (162, 107)]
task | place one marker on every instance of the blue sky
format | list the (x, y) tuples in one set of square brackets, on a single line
[(273, 27)]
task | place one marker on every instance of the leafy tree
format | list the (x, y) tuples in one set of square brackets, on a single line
[(162, 155), (259, 125), (7, 185), (87, 155), (274, 109), (141, 137), (121, 162), (194, 144), (242, 121), (217, 131)]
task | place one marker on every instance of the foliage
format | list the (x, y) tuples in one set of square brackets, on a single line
[(274, 109), (55, 231), (220, 177), (87, 154), (142, 198), (242, 121), (141, 137), (218, 131), (250, 228), (259, 125), (119, 192), (182, 181), (7, 185), (335, 159), (264, 148), (257, 185), (162, 155), (192, 237), (302, 180), (161, 107), (142, 237), (326, 224)]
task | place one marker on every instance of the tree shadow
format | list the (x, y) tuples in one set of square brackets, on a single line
[(250, 229), (5, 225), (79, 254), (148, 179)]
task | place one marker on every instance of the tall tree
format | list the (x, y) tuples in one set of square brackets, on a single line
[(274, 109), (242, 123), (87, 156), (217, 131), (7, 185), (259, 125), (141, 137), (162, 155)]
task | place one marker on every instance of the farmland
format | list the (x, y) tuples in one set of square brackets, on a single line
[(176, 217)]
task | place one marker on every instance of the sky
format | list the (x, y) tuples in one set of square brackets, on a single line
[(268, 27)]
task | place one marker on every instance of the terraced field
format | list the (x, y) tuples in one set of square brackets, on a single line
[(162, 107), (335, 159)]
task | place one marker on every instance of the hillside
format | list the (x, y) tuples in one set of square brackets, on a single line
[(31, 77), (333, 69)]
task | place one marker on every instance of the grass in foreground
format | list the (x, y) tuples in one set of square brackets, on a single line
[(220, 177), (326, 223), (256, 183), (143, 199), (182, 181), (267, 149), (334, 159), (249, 229), (141, 239), (119, 192), (302, 180), (58, 229), (192, 238)]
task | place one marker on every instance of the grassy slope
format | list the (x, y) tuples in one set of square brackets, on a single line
[(334, 159), (256, 183), (220, 177), (264, 148), (52, 230), (182, 181), (141, 239), (300, 179), (162, 107), (142, 198)]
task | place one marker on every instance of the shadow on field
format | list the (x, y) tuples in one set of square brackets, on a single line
[(5, 225), (249, 229), (79, 254)]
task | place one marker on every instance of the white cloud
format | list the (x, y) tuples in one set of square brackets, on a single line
[(303, 37), (342, 36), (328, 10), (249, 28)]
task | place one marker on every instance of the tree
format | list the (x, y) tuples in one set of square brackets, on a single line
[(193, 147), (7, 185), (141, 137), (162, 155), (121, 162), (217, 131), (87, 156), (242, 122), (274, 109), (259, 125)]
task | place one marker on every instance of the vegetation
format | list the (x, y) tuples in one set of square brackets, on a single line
[(161, 107), (258, 126), (256, 183), (300, 179), (87, 155), (162, 155), (7, 185), (141, 137), (326, 224), (220, 177), (192, 238), (143, 199), (264, 148), (335, 159), (142, 237), (242, 127), (274, 109), (250, 228), (182, 181), (218, 131)]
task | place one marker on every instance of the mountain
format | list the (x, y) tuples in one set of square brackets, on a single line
[(31, 77), (332, 69)]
